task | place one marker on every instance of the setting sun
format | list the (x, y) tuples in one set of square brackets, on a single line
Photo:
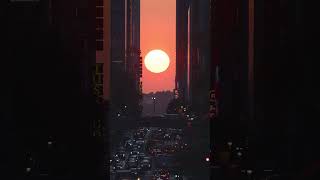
[(157, 61)]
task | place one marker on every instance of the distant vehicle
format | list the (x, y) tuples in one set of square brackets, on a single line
[(156, 151), (177, 176), (119, 166), (132, 163), (121, 155), (140, 142), (172, 116), (147, 158), (145, 164), (129, 143), (134, 152), (116, 159), (121, 149), (169, 149), (161, 174), (135, 171), (141, 156), (124, 174), (133, 158), (166, 136)]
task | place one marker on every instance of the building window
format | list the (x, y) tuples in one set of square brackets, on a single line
[(99, 68), (99, 2), (99, 23), (99, 12), (99, 45), (99, 34)]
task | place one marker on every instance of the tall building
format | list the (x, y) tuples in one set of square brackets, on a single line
[(282, 90), (52, 106), (101, 76), (181, 81), (229, 71), (126, 63), (199, 55), (258, 51), (193, 53)]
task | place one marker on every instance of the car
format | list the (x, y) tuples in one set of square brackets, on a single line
[(134, 152), (121, 149), (166, 136), (121, 155), (140, 142), (177, 176), (129, 143), (112, 168), (161, 174), (147, 158), (156, 151), (141, 156), (132, 163), (145, 164), (135, 171), (115, 159), (169, 149), (133, 157), (119, 166)]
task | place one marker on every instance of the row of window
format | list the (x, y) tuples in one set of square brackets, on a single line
[(99, 34), (99, 25), (99, 11), (99, 2), (99, 45)]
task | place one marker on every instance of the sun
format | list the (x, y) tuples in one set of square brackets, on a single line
[(157, 61)]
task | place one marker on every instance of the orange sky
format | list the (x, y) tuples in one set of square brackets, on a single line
[(158, 31)]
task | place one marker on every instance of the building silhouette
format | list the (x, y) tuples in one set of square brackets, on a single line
[(51, 104), (261, 86), (126, 64), (193, 53)]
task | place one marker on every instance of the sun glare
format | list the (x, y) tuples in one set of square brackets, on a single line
[(157, 61)]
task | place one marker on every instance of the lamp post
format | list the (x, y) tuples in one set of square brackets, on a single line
[(154, 105)]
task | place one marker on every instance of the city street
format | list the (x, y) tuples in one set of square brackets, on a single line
[(149, 153)]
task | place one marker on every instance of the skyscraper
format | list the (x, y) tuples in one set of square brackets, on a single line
[(52, 50), (125, 57), (182, 7), (193, 55)]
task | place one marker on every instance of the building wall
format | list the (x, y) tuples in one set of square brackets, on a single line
[(229, 70), (193, 55), (104, 55), (278, 72), (181, 47), (52, 51), (125, 45), (200, 55)]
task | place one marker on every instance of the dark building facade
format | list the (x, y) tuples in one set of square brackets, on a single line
[(282, 89), (262, 83), (229, 71), (181, 85), (51, 53), (193, 53), (126, 64)]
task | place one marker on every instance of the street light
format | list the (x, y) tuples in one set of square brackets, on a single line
[(28, 169), (154, 104), (229, 144)]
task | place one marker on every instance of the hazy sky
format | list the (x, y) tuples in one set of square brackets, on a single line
[(158, 31)]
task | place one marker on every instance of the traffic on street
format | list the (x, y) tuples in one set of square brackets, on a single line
[(149, 153)]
